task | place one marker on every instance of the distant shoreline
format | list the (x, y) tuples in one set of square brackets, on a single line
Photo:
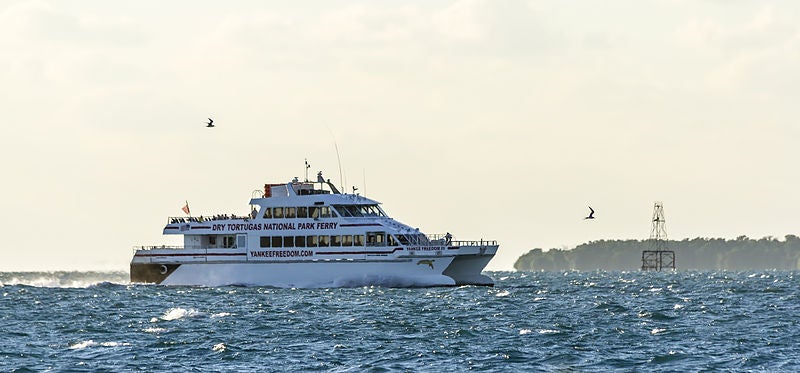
[(742, 253)]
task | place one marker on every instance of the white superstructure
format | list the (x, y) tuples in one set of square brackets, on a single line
[(300, 234)]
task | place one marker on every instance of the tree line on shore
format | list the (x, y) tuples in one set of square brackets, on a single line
[(742, 253)]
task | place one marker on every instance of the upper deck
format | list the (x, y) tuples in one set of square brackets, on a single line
[(321, 192), (304, 209)]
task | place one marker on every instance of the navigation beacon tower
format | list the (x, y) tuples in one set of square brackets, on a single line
[(658, 256)]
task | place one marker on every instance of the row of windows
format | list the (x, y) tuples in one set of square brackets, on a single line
[(322, 211), (372, 239), (297, 212), (358, 210)]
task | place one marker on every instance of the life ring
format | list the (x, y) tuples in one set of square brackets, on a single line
[(163, 269)]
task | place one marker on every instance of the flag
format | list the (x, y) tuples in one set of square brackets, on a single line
[(185, 208)]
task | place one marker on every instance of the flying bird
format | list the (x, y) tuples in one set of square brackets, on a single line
[(210, 123), (591, 214)]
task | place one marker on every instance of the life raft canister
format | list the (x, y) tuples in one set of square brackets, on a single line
[(267, 191)]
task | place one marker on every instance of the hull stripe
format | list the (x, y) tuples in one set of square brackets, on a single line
[(197, 254), (357, 252)]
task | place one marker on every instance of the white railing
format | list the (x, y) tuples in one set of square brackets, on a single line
[(442, 239), (158, 247), (475, 243), (201, 219), (174, 247)]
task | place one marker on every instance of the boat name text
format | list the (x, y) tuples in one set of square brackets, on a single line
[(425, 248), (281, 253), (272, 226)]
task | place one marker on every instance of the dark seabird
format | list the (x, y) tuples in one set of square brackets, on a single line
[(591, 214), (210, 123)]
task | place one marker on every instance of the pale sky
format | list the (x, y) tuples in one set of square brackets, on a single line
[(484, 118)]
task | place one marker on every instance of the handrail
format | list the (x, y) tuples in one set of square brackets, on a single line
[(442, 238), (175, 247), (475, 243), (158, 247), (201, 219)]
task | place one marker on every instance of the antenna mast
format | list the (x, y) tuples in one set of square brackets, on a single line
[(658, 256), (339, 159)]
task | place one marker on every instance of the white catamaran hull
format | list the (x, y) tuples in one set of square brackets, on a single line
[(466, 267), (412, 272)]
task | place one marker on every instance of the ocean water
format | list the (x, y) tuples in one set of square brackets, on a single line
[(548, 321)]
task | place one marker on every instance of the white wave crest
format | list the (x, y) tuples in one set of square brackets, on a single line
[(177, 314), (91, 343)]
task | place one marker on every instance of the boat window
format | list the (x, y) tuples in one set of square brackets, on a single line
[(341, 210), (313, 212), (371, 210), (300, 241), (353, 210), (324, 241), (347, 240), (325, 212), (376, 239), (403, 239), (311, 241), (336, 240), (277, 241), (267, 213), (291, 212), (227, 242), (288, 241), (265, 241), (390, 240), (212, 240), (277, 212), (358, 240), (302, 212)]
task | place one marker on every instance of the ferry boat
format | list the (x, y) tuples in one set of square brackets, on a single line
[(309, 235)]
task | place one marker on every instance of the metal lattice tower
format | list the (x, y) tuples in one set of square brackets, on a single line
[(658, 257)]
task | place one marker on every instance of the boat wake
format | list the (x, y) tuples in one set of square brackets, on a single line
[(64, 279), (356, 282)]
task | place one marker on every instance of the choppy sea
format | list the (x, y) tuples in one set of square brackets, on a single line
[(544, 321)]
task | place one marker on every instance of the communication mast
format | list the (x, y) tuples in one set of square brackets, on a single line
[(658, 256)]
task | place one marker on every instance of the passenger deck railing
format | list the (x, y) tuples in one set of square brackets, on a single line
[(475, 243), (442, 239), (159, 247), (200, 219)]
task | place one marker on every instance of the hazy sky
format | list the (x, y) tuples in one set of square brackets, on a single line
[(488, 119)]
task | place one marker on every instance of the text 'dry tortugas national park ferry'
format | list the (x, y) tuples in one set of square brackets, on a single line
[(302, 234)]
